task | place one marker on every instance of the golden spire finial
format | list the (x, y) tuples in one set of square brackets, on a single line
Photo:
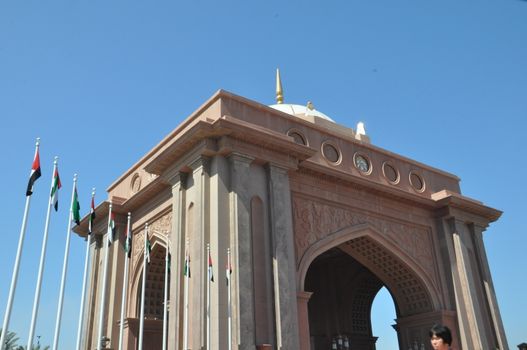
[(279, 94)]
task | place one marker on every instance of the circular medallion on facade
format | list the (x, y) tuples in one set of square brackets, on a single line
[(136, 183), (417, 182), (297, 136), (331, 152), (390, 173), (362, 163)]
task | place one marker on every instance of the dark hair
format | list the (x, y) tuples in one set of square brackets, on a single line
[(442, 332)]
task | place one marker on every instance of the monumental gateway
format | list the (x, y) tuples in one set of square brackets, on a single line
[(317, 221)]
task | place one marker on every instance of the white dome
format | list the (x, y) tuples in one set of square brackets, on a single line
[(299, 110)]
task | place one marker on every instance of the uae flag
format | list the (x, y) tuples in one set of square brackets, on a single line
[(35, 174), (211, 272), (186, 268), (148, 249), (128, 243), (92, 215), (76, 208), (55, 190), (111, 229), (228, 270)]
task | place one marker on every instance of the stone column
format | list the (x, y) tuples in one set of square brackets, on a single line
[(284, 271), (219, 240), (241, 248), (490, 294), (197, 289), (466, 288), (303, 319), (89, 324), (177, 244), (115, 282)]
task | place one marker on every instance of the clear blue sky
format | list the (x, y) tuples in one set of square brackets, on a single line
[(441, 82)]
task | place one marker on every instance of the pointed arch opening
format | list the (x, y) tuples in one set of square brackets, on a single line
[(154, 294), (345, 272)]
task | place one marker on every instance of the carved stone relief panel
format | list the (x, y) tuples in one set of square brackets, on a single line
[(315, 220), (162, 225), (138, 239)]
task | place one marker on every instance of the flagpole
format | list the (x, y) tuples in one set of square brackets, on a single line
[(165, 301), (42, 260), (103, 290), (229, 313), (7, 315), (64, 268), (85, 277), (142, 314), (125, 287), (208, 295), (185, 297)]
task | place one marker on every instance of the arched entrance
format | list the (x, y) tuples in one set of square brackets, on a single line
[(153, 302), (339, 308), (346, 271)]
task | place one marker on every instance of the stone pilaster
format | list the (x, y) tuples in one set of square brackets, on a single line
[(196, 237), (115, 281), (241, 248), (284, 271), (465, 285), (177, 244), (303, 319), (490, 295), (219, 239), (89, 323)]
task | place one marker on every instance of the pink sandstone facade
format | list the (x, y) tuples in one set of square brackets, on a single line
[(318, 220)]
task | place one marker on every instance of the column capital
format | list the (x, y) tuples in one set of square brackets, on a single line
[(201, 162), (240, 157), (303, 295), (179, 179), (274, 167)]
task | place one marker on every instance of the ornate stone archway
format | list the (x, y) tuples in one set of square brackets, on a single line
[(375, 261), (154, 286), (279, 191)]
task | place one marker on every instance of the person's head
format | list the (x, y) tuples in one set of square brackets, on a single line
[(440, 337)]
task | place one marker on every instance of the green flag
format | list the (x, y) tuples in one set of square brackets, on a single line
[(75, 208)]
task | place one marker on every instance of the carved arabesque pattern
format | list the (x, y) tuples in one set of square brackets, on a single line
[(409, 291), (137, 246), (314, 221), (162, 225)]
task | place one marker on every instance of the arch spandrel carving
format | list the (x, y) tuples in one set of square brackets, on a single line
[(137, 247), (162, 225), (314, 221)]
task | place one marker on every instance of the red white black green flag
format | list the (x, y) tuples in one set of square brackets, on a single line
[(55, 190), (91, 219), (111, 229), (228, 268), (211, 272), (148, 248), (35, 173), (186, 268), (128, 243)]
